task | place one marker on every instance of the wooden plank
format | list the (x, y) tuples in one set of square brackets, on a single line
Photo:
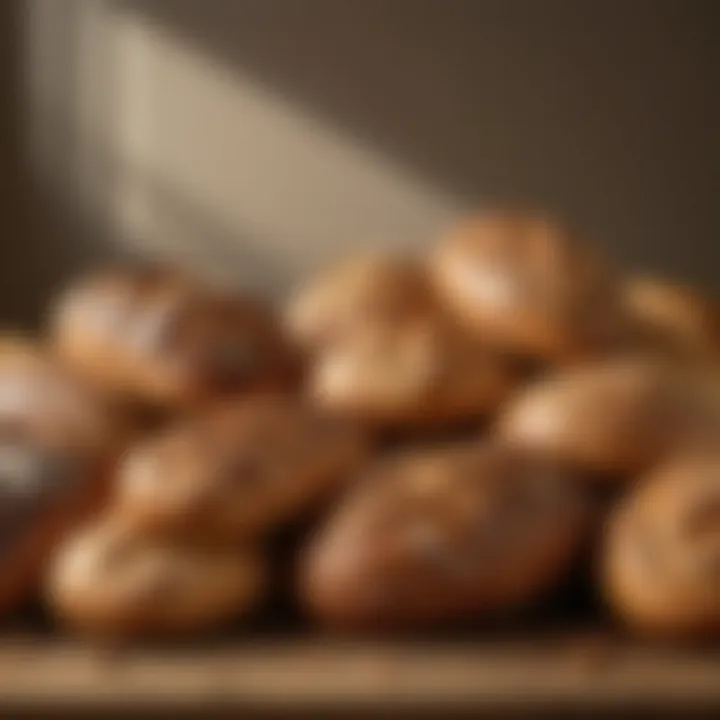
[(303, 676)]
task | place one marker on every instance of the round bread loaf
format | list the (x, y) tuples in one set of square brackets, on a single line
[(415, 374), (673, 319), (663, 550), (443, 535), (366, 289), (239, 470), (527, 285), (56, 444), (107, 581), (610, 420), (155, 336)]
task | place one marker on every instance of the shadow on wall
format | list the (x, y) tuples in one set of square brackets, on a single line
[(44, 236), (33, 241), (606, 111)]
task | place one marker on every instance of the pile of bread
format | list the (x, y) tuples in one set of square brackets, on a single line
[(450, 433)]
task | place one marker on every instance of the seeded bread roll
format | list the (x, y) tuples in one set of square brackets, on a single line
[(238, 471), (663, 551), (528, 285), (57, 442), (155, 336), (443, 535), (106, 581)]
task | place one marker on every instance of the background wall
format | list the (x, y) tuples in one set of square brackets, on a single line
[(258, 139), (9, 150)]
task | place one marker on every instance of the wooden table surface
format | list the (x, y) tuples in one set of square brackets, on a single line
[(309, 676)]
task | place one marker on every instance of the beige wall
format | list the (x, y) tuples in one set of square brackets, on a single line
[(226, 171), (259, 139)]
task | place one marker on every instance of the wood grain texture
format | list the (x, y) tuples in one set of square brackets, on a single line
[(319, 677)]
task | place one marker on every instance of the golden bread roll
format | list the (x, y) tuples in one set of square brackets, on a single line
[(528, 285), (442, 535), (240, 470), (155, 336), (662, 553), (106, 581), (370, 288), (417, 374), (612, 419), (674, 319)]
